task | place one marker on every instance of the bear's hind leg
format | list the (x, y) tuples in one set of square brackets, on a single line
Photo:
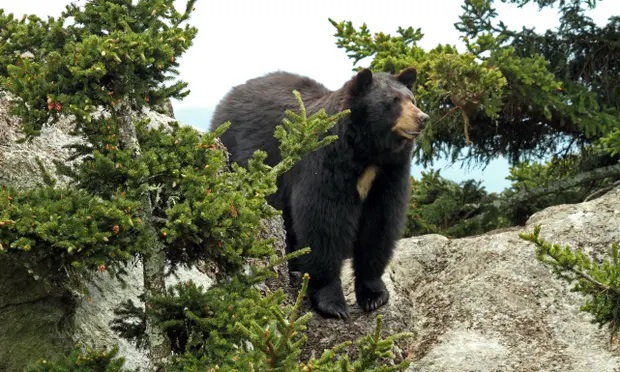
[(324, 219), (325, 289), (328, 227), (294, 274), (329, 300)]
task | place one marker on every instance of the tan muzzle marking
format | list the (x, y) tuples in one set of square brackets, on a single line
[(407, 124)]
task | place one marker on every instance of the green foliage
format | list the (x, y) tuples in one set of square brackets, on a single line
[(83, 361), (527, 176), (611, 142), (374, 354), (203, 211), (387, 49), (278, 342), (457, 90), (87, 51), (441, 206), (52, 230), (204, 326), (91, 57), (116, 54), (137, 188), (298, 133), (517, 94), (235, 328), (599, 281)]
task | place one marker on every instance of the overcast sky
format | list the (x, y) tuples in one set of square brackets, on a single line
[(238, 40)]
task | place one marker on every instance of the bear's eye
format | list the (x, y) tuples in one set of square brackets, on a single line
[(396, 99)]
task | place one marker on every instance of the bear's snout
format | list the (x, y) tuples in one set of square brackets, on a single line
[(422, 119), (410, 122)]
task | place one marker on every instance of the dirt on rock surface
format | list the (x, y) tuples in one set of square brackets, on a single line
[(485, 303)]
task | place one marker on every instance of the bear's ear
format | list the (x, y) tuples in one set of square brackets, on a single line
[(361, 81), (408, 76)]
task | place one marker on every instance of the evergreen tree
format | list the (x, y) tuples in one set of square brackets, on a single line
[(166, 195), (518, 94), (116, 57), (441, 206)]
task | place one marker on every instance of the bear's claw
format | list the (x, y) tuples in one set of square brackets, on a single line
[(329, 301), (332, 310), (371, 294)]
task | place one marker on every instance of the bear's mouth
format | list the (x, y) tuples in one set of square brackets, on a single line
[(409, 134)]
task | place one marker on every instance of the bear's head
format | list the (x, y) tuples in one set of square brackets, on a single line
[(384, 114)]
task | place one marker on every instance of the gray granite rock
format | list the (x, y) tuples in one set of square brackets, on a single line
[(485, 303), (482, 303)]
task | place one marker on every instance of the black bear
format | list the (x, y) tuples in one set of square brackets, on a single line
[(348, 198)]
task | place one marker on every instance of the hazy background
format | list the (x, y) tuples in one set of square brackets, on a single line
[(239, 40)]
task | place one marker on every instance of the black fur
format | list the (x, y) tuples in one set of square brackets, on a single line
[(319, 199)]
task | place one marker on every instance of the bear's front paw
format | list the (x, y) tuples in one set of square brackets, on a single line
[(329, 301), (295, 279), (371, 294)]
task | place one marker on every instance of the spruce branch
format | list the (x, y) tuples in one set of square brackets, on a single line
[(373, 349), (564, 260), (264, 271), (281, 340), (299, 133), (600, 282), (374, 354)]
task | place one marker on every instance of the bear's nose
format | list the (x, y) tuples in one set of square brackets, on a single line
[(422, 119)]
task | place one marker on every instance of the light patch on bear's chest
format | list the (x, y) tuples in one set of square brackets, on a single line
[(364, 182)]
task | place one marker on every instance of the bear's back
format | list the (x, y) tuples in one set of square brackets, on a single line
[(256, 107)]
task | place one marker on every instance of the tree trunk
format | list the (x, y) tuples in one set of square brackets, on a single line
[(153, 261), (593, 175)]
